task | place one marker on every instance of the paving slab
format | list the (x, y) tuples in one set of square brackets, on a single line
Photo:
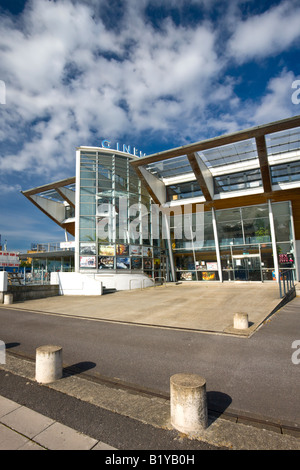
[(10, 440), (26, 421), (61, 437), (31, 445), (103, 446), (7, 406)]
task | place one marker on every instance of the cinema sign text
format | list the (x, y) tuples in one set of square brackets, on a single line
[(106, 144)]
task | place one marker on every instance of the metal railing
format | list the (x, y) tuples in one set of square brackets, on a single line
[(163, 278), (286, 282), (25, 279), (45, 247)]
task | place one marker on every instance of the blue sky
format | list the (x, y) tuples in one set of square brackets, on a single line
[(148, 73)]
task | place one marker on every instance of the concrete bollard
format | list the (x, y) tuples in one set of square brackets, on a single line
[(189, 413), (8, 299), (240, 321), (48, 366)]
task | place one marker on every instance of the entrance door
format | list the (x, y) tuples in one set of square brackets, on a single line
[(247, 268)]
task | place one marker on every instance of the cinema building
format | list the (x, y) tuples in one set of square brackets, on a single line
[(226, 209)]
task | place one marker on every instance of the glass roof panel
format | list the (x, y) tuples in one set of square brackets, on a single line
[(284, 141), (53, 195), (230, 153), (171, 167)]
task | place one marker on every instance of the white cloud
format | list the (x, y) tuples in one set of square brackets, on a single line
[(68, 76), (9, 188), (277, 103), (266, 34)]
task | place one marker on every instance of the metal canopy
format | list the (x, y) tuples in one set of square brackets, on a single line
[(230, 154), (52, 198), (227, 154)]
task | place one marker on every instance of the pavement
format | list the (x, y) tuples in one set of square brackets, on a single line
[(209, 307), (23, 427)]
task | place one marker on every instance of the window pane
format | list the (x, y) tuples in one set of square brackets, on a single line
[(230, 233), (228, 214), (183, 191), (282, 221)]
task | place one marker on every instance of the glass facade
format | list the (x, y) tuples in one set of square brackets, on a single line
[(115, 218), (240, 248), (195, 252), (117, 233)]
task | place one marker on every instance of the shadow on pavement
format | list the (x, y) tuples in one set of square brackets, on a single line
[(78, 368), (11, 345), (217, 403)]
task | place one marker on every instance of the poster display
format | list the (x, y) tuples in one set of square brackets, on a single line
[(186, 276), (87, 248), (208, 276), (136, 250), (87, 261), (122, 250), (136, 263), (147, 263), (212, 266), (105, 262), (147, 251), (119, 256), (107, 250), (286, 259), (123, 262)]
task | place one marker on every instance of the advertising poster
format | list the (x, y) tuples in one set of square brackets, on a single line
[(106, 262), (286, 259), (87, 261), (123, 262), (9, 259), (135, 250), (67, 245), (208, 276), (122, 250), (136, 263), (147, 263), (147, 251), (87, 248), (107, 250), (186, 276), (212, 266)]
